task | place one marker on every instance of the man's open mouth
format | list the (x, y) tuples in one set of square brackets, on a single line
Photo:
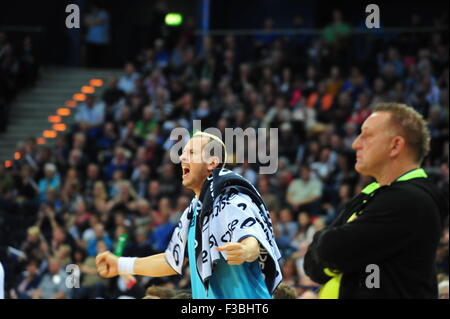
[(186, 171)]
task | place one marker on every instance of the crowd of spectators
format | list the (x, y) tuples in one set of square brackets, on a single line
[(112, 174), (18, 70)]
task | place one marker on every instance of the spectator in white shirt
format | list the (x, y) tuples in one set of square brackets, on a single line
[(90, 114), (53, 284), (304, 193), (127, 82), (248, 172), (325, 165)]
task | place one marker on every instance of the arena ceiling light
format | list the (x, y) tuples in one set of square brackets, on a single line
[(173, 19)]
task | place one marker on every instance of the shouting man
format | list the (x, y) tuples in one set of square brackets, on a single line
[(225, 233)]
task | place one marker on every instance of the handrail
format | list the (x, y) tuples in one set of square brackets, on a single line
[(317, 31), (21, 28)]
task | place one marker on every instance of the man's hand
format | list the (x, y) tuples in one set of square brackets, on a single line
[(36, 294), (107, 264), (244, 251)]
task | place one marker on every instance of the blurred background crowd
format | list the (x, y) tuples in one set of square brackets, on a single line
[(18, 70), (111, 173)]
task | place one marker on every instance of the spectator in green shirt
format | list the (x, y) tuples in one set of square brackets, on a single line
[(337, 30), (145, 126)]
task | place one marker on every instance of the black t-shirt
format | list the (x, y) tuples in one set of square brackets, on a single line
[(398, 228)]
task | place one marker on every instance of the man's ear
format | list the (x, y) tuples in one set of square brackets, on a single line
[(398, 144), (213, 162)]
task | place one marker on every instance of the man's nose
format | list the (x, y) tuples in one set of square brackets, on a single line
[(356, 144), (182, 157)]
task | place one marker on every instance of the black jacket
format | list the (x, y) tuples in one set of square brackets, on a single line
[(398, 228)]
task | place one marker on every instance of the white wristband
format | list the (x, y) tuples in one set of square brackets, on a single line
[(125, 265)]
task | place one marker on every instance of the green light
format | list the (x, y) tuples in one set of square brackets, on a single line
[(173, 19)]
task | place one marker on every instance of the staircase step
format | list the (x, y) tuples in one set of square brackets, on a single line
[(36, 106), (51, 90), (31, 114), (30, 129), (30, 110)]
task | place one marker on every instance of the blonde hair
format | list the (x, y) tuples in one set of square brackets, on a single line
[(285, 292), (103, 193), (129, 187), (412, 125), (214, 139)]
